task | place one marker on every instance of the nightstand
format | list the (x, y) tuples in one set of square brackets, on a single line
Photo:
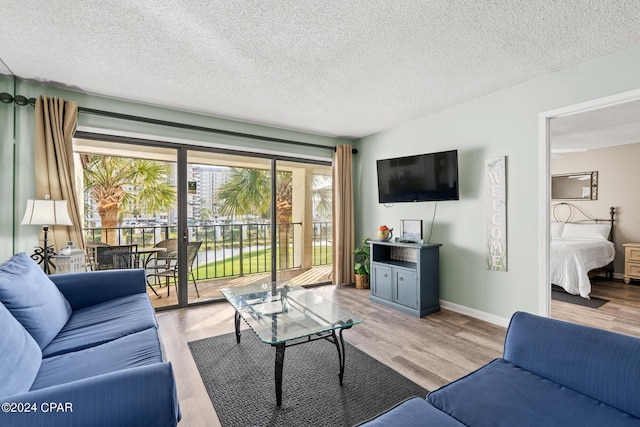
[(631, 262)]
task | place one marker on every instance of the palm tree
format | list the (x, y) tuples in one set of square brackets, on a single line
[(205, 214), (118, 183), (322, 194), (248, 192)]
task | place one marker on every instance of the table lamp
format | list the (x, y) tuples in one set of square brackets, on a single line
[(46, 212)]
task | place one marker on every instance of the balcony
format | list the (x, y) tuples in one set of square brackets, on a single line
[(235, 254)]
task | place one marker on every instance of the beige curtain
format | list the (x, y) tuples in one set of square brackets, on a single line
[(55, 122), (343, 228)]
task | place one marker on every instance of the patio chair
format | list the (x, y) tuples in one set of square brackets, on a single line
[(161, 261), (171, 269), (92, 255), (115, 257)]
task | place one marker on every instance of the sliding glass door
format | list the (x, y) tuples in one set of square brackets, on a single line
[(255, 219), (229, 218), (303, 217), (198, 220), (130, 198)]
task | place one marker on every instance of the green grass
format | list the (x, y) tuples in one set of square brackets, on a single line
[(256, 262)]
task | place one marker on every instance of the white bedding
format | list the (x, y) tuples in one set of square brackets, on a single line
[(573, 258)]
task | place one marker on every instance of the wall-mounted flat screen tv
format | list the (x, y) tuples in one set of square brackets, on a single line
[(420, 178)]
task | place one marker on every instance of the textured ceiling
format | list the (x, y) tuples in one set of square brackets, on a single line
[(605, 127), (339, 68)]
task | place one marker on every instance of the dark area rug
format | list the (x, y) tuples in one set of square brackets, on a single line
[(559, 294), (240, 381)]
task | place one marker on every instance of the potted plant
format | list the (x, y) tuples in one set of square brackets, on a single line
[(361, 258)]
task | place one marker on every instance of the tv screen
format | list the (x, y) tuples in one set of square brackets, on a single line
[(420, 178)]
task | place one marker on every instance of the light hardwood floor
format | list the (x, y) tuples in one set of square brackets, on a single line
[(621, 314), (432, 351)]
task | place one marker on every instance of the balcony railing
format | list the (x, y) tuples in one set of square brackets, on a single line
[(229, 250)]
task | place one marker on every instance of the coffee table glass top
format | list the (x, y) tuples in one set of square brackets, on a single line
[(278, 312)]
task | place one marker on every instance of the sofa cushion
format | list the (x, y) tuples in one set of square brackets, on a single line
[(502, 394), (104, 322), (578, 357), (19, 356), (138, 349), (411, 413), (32, 298)]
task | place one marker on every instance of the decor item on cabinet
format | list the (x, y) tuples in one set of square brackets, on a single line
[(411, 230), (70, 259), (385, 233), (496, 175), (362, 264), (45, 213)]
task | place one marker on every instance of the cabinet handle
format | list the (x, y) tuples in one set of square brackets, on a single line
[(401, 279), (386, 275)]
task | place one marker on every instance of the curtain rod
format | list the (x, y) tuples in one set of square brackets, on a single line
[(7, 98)]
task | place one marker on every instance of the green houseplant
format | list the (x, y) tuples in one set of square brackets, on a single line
[(362, 264)]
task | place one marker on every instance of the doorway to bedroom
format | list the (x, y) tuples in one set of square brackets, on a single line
[(593, 147)]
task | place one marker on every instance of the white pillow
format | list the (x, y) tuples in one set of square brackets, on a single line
[(556, 229), (587, 231)]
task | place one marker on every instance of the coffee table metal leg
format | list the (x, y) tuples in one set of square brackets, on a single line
[(279, 362), (237, 323), (341, 354)]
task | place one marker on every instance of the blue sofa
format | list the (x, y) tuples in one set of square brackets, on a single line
[(80, 349), (552, 373)]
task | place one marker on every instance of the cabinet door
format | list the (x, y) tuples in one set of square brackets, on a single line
[(381, 283), (406, 287)]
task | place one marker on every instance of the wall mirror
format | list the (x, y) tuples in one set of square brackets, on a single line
[(575, 186)]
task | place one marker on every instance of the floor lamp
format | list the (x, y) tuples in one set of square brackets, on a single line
[(45, 213)]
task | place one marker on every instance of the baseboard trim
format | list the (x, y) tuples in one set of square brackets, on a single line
[(481, 315)]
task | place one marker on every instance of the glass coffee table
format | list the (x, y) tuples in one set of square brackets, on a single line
[(283, 316)]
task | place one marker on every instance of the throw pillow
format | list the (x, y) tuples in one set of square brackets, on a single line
[(20, 356), (32, 298), (587, 231), (556, 229)]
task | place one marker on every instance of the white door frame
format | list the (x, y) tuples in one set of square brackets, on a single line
[(544, 156)]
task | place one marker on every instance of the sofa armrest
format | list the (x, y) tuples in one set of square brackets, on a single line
[(143, 396), (94, 287)]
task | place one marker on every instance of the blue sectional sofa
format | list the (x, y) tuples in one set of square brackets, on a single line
[(552, 373), (80, 349)]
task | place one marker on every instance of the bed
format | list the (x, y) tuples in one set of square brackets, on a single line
[(580, 248)]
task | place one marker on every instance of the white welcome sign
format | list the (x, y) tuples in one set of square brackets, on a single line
[(497, 214)]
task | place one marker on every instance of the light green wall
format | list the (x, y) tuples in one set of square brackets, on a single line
[(6, 160), (504, 123), (26, 237)]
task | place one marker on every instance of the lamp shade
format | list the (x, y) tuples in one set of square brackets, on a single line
[(47, 212)]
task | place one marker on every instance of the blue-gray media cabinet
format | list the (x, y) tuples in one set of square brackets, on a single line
[(406, 276)]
